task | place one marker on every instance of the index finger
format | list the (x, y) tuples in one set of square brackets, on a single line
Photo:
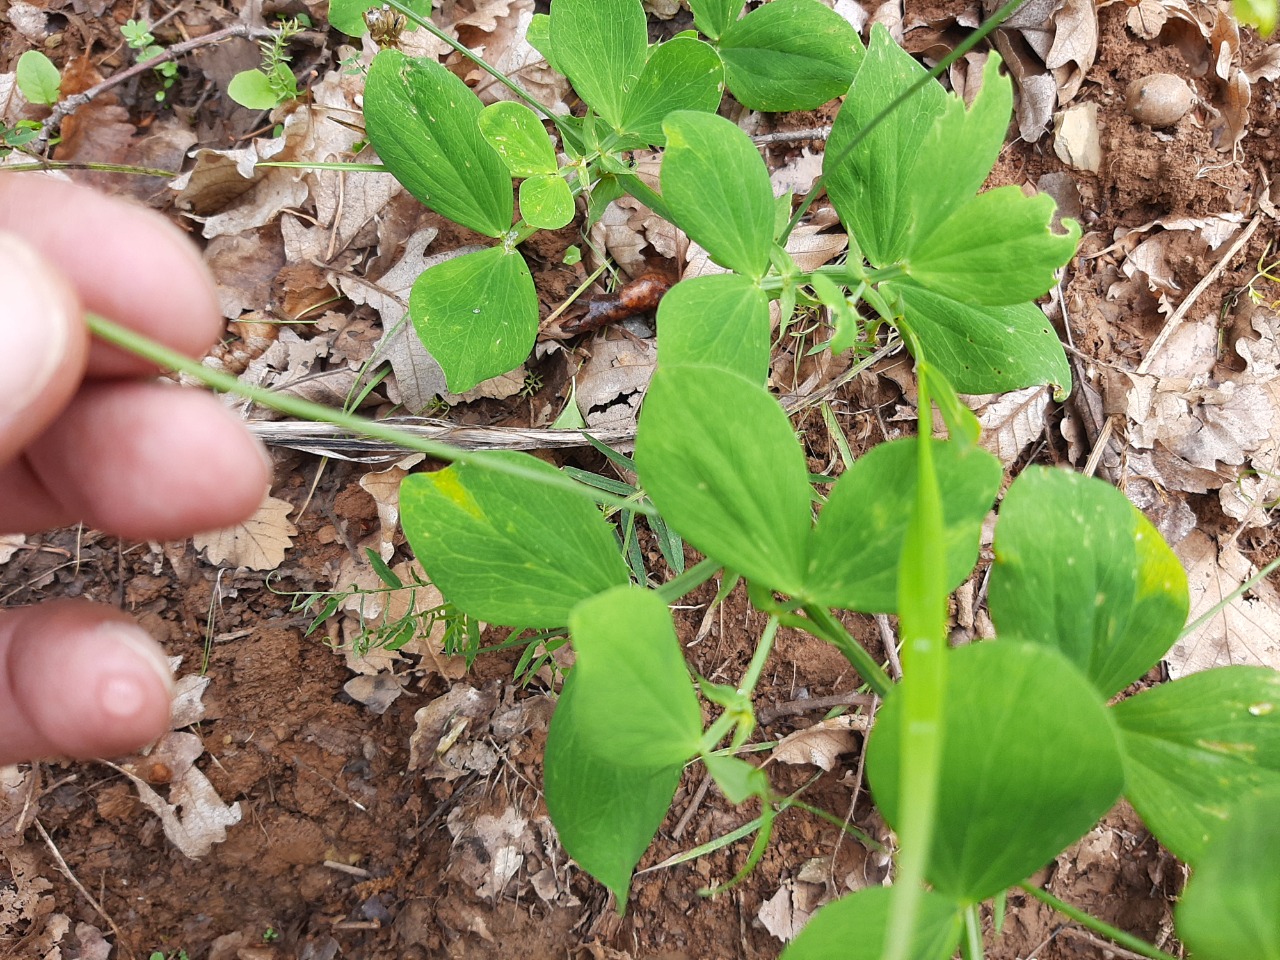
[(126, 262)]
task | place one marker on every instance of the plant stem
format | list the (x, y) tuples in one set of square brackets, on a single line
[(81, 165), (165, 358), (972, 933), (691, 579), (922, 625), (317, 165), (756, 667), (833, 631), (1222, 604), (1115, 934)]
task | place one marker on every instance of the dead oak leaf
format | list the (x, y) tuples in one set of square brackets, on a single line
[(258, 543), (1246, 631), (822, 744)]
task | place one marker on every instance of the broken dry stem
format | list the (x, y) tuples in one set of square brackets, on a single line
[(165, 358)]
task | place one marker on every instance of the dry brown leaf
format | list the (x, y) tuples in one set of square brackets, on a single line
[(11, 543), (611, 382), (377, 691), (195, 817), (258, 543), (384, 487), (1265, 66), (23, 897), (1247, 631), (442, 722), (1011, 421), (822, 744), (19, 787)]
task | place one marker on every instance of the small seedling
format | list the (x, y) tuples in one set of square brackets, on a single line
[(273, 83), (38, 78), (137, 34)]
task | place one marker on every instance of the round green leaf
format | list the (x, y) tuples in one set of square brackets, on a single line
[(721, 462), (1193, 746), (546, 201), (712, 17), (862, 528), (984, 349), (38, 78), (252, 89), (476, 314), (1079, 568), (422, 120), (1230, 909), (996, 249), (718, 190), (1029, 763), (790, 55), (505, 550), (518, 136), (716, 320), (681, 74), (605, 814), (856, 927), (634, 690)]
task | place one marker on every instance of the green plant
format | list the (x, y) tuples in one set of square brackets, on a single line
[(987, 760), (137, 34), (273, 83), (38, 79)]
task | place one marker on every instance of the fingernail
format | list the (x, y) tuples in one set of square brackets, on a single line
[(35, 318), (123, 691)]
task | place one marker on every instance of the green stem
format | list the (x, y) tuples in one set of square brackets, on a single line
[(1114, 934), (922, 624), (81, 165), (351, 167), (971, 41), (475, 58), (1222, 604), (756, 667), (165, 358), (972, 933), (691, 579), (833, 631)]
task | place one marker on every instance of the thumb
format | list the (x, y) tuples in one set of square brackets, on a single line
[(43, 344)]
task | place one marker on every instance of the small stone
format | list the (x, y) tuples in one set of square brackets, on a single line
[(1159, 100)]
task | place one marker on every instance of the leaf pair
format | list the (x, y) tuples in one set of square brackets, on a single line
[(784, 55), (720, 459), (477, 314), (968, 262), (602, 46)]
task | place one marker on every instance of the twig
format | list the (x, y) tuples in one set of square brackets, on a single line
[(74, 102), (1176, 319), (890, 645), (791, 708), (1112, 949), (66, 872), (782, 136), (345, 868), (694, 803)]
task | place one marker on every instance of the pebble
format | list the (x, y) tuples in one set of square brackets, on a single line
[(1159, 100)]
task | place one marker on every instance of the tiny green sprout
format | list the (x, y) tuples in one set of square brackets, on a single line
[(270, 935), (138, 35), (273, 83)]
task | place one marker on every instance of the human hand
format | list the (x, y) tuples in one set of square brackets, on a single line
[(85, 437)]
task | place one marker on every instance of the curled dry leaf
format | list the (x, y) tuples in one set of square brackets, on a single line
[(822, 744), (1076, 139), (1011, 421), (257, 544)]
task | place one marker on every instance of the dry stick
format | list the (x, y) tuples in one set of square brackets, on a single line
[(66, 872), (791, 708), (78, 100), (1179, 315)]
